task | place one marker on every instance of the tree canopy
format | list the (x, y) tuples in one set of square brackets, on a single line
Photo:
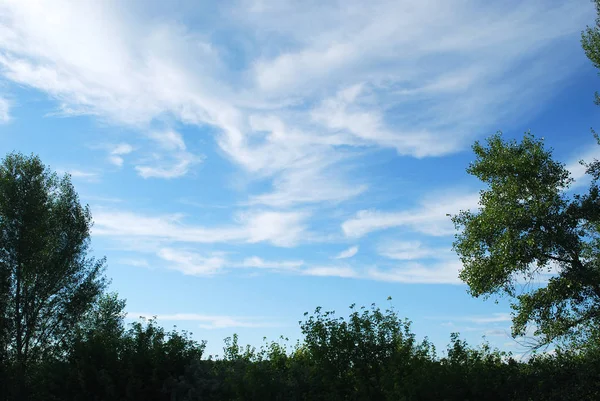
[(528, 223), (47, 280)]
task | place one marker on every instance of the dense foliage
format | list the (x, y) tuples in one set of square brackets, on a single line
[(527, 223), (47, 281), (369, 355)]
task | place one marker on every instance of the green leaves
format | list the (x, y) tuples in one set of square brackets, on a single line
[(590, 41), (528, 225), (47, 281)]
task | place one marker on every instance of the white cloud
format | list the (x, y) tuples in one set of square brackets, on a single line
[(208, 321), (331, 271), (417, 273), (178, 161), (308, 184), (388, 40), (89, 176), (493, 318), (197, 263), (117, 151), (420, 78), (578, 170), (169, 140), (348, 253), (259, 263), (278, 228), (191, 263), (429, 218), (178, 169), (366, 124), (4, 110), (412, 250)]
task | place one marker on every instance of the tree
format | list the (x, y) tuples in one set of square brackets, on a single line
[(590, 41), (47, 280), (365, 357), (528, 223)]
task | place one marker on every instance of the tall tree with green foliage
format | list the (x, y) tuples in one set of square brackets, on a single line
[(47, 280), (528, 223)]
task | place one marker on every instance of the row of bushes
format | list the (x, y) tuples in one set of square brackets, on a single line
[(369, 355)]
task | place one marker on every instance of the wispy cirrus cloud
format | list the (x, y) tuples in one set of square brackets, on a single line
[(174, 161), (167, 156), (421, 79), (278, 228), (331, 271), (311, 184), (5, 106), (260, 263), (493, 318), (195, 263), (78, 174), (418, 273), (412, 250), (209, 322), (348, 253), (430, 217), (191, 263), (116, 153)]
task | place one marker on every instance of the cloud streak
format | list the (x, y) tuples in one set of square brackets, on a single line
[(5, 106), (278, 228), (201, 264), (412, 250), (89, 176), (176, 163), (430, 218), (116, 153), (209, 322), (348, 253), (418, 273)]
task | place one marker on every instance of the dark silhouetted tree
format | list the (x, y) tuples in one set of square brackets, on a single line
[(47, 280)]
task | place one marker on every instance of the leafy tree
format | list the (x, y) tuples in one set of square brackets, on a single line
[(590, 41), (527, 223), (94, 369), (153, 361), (365, 357), (47, 280)]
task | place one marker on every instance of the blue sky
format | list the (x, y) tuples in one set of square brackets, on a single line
[(247, 161)]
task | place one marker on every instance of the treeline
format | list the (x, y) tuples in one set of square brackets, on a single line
[(369, 355), (63, 337)]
